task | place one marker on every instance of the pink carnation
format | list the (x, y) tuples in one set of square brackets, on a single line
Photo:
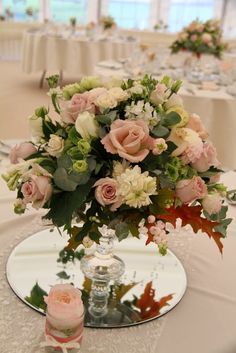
[(207, 158), (79, 103), (195, 123)]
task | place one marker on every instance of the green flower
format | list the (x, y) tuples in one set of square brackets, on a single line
[(83, 147), (172, 172), (41, 112), (80, 166), (69, 90), (176, 86), (53, 81), (89, 82)]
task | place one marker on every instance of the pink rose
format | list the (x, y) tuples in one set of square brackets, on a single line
[(64, 307), (207, 158), (195, 123), (206, 38), (212, 203), (37, 190), (79, 103), (193, 37), (188, 190), (22, 150), (106, 192), (96, 92), (129, 139)]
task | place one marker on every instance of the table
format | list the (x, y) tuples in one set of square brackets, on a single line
[(78, 55), (204, 321)]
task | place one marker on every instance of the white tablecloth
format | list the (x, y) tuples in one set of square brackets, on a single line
[(204, 321), (78, 55)]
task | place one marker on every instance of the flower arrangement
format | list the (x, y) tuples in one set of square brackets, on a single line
[(73, 21), (125, 154), (29, 11), (160, 26), (200, 38), (107, 22)]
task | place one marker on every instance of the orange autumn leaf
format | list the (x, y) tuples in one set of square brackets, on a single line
[(192, 215), (148, 306)]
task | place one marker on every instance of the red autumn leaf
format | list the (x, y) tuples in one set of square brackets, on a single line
[(192, 215), (148, 306)]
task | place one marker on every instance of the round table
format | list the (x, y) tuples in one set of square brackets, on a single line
[(75, 54)]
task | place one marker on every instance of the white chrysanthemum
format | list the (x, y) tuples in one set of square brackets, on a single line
[(119, 168), (135, 187), (142, 110)]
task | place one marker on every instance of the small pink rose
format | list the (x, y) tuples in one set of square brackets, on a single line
[(106, 192), (207, 158), (129, 139), (64, 307), (195, 123), (193, 37), (22, 150), (79, 103), (212, 203), (188, 190), (37, 190)]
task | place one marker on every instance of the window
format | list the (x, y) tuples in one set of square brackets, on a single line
[(18, 9), (182, 12), (130, 13), (62, 10)]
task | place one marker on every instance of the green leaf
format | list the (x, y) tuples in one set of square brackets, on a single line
[(160, 131), (73, 135), (171, 119), (79, 178), (64, 161), (133, 230), (64, 204), (63, 181), (36, 297), (122, 230), (63, 275)]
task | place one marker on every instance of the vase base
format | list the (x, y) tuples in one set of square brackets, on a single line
[(149, 279)]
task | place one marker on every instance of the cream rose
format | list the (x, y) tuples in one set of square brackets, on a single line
[(55, 145), (106, 101), (37, 190), (106, 192), (118, 93), (64, 307), (188, 190), (86, 125), (129, 139), (21, 151)]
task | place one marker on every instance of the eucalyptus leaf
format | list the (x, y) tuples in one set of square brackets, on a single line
[(122, 230), (64, 161), (171, 119), (63, 181), (79, 178), (160, 131)]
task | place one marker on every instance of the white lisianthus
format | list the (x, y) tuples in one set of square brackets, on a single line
[(143, 111), (106, 101), (212, 203), (175, 99), (119, 94), (15, 172), (55, 145), (86, 125), (90, 82), (119, 168), (36, 129), (135, 187)]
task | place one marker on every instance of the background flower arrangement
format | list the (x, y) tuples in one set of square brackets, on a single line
[(107, 22), (125, 154), (200, 38)]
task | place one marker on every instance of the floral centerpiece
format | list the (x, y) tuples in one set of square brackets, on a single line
[(124, 154), (73, 21), (200, 38), (108, 22), (160, 26), (29, 11)]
